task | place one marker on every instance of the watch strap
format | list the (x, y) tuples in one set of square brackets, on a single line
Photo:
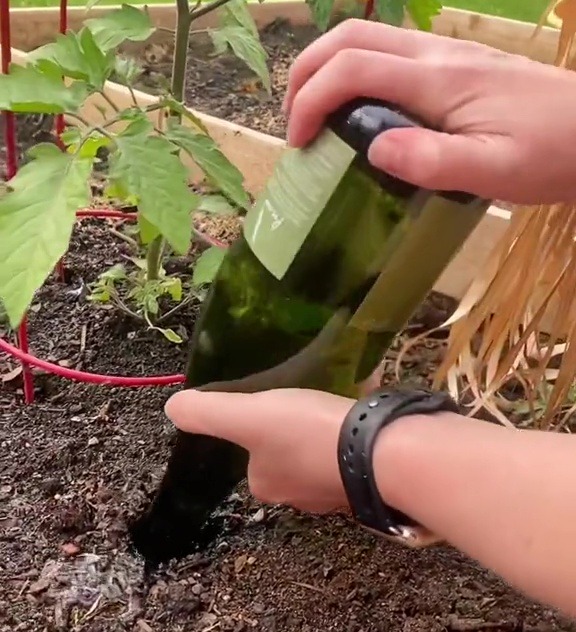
[(357, 438)]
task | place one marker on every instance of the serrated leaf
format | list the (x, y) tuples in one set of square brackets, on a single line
[(36, 220), (246, 47), (173, 286), (148, 232), (217, 204), (148, 169), (207, 265), (391, 11), (127, 70), (76, 56), (115, 273), (422, 12), (170, 335), (237, 12), (90, 146), (126, 23), (218, 169), (28, 89), (71, 136), (321, 12)]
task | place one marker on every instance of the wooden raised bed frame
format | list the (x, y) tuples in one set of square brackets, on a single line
[(255, 153)]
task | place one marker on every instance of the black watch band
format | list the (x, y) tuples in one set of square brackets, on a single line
[(358, 435)]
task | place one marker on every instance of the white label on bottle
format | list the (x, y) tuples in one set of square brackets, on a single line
[(303, 182)]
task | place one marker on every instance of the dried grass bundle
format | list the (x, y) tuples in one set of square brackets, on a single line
[(498, 357)]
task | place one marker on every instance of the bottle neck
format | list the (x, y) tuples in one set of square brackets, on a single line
[(360, 121)]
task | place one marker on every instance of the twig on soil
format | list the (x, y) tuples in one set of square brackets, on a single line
[(121, 305), (177, 308), (82, 339), (126, 238), (309, 586)]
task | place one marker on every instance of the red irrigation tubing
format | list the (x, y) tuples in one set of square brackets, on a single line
[(11, 170), (83, 376), (28, 359)]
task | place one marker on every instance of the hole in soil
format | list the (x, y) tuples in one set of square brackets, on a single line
[(148, 542)]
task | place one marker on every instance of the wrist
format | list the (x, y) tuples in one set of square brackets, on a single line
[(400, 456)]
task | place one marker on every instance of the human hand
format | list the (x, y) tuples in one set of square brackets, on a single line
[(508, 122), (291, 434)]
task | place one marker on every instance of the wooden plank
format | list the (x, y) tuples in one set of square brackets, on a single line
[(33, 27)]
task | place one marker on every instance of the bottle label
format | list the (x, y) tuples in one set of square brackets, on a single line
[(301, 186)]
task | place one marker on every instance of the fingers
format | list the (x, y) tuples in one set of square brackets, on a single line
[(357, 34), (248, 419), (235, 417), (353, 73), (440, 161)]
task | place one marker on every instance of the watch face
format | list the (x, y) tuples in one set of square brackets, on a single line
[(412, 537)]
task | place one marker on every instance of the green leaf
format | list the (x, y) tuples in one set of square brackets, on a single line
[(217, 204), (182, 110), (147, 168), (36, 220), (90, 145), (127, 70), (422, 12), (173, 287), (170, 335), (76, 56), (207, 265), (321, 12), (218, 169), (391, 11), (236, 13), (126, 23), (246, 47), (148, 232), (28, 89)]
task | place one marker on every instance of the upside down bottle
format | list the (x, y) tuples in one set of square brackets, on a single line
[(334, 259)]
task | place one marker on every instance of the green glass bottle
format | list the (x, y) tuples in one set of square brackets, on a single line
[(334, 259)]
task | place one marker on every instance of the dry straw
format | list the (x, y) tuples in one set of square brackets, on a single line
[(498, 357)]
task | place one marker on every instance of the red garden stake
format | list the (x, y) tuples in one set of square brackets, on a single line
[(368, 9), (11, 169), (60, 124)]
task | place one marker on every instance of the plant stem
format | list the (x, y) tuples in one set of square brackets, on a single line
[(183, 21), (154, 258), (196, 13), (109, 101)]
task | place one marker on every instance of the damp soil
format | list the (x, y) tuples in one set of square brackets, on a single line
[(81, 463)]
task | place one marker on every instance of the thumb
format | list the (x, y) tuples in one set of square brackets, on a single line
[(235, 417), (439, 161)]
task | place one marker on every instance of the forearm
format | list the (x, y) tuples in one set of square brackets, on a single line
[(505, 498)]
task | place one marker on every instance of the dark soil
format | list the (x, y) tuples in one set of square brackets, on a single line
[(79, 464), (224, 86)]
